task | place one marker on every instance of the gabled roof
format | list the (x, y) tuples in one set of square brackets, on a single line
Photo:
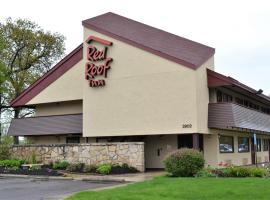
[(218, 80), (58, 70), (156, 41)]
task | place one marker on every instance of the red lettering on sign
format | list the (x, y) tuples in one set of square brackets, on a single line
[(98, 83), (91, 68), (94, 55)]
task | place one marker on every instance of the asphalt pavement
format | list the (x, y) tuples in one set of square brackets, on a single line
[(44, 189)]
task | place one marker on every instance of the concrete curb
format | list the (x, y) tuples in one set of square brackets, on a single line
[(95, 179), (102, 180), (35, 177)]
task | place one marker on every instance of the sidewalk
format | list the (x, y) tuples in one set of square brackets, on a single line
[(121, 178)]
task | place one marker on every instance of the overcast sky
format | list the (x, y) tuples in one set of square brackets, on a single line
[(239, 30)]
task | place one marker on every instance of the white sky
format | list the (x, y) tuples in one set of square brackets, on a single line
[(238, 29)]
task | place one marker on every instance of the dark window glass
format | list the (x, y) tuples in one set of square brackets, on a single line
[(243, 144), (219, 96), (265, 145), (239, 101), (226, 144), (259, 145), (73, 140)]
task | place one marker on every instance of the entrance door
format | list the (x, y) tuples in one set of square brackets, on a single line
[(156, 148), (253, 154)]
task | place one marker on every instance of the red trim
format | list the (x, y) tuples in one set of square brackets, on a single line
[(146, 48), (216, 80), (58, 70), (97, 39)]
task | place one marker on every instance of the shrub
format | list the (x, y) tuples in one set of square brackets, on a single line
[(60, 165), (11, 163), (122, 169), (5, 144), (78, 167), (207, 172), (90, 168), (104, 169), (258, 172), (241, 172), (184, 162), (35, 168)]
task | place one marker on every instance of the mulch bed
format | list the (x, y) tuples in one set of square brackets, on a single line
[(40, 172)]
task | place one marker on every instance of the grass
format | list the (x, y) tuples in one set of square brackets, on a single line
[(166, 188)]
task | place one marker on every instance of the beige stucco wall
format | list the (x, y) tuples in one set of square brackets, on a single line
[(214, 157), (202, 96), (67, 87), (144, 95), (210, 149), (60, 108)]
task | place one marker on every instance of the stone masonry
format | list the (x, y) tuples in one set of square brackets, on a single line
[(131, 153)]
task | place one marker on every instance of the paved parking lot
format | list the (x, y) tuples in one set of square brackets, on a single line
[(31, 189)]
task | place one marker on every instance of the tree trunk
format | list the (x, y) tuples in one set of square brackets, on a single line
[(16, 116)]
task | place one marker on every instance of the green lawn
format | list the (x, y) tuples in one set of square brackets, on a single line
[(185, 188)]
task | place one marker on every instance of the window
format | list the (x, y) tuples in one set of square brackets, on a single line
[(72, 140), (226, 144), (243, 144), (265, 145), (223, 97), (219, 96), (259, 145), (239, 101)]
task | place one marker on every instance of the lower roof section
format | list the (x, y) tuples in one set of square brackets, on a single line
[(47, 125), (237, 117)]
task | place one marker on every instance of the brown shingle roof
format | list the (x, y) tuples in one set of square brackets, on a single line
[(156, 41), (233, 116), (47, 125)]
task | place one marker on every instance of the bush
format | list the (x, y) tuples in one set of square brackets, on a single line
[(11, 163), (104, 169), (78, 167), (207, 172), (241, 172), (5, 144), (60, 165), (89, 168), (122, 169), (184, 162), (258, 172)]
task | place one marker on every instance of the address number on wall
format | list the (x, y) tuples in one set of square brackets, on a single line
[(187, 125)]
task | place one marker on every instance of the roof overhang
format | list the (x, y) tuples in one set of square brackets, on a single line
[(235, 117), (218, 80), (58, 70), (47, 125)]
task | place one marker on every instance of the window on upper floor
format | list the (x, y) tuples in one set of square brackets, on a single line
[(223, 97)]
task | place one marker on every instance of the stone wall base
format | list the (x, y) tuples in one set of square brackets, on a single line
[(131, 153)]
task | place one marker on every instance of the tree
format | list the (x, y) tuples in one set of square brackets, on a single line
[(27, 53)]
